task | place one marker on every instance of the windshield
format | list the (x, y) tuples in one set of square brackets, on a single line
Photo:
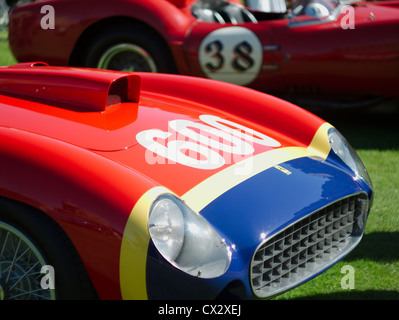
[(314, 8)]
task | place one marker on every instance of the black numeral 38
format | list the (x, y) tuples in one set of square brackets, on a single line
[(242, 60)]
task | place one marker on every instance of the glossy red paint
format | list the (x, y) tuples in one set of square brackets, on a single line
[(74, 17), (46, 163), (76, 88), (300, 57), (83, 166), (65, 182), (364, 59), (322, 58), (202, 97)]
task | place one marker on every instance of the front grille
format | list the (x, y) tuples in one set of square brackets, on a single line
[(308, 246)]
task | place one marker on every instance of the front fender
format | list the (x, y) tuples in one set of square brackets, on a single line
[(73, 17), (89, 196)]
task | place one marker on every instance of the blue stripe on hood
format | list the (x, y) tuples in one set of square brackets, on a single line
[(273, 199)]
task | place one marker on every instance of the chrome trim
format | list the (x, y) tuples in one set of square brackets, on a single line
[(271, 48), (270, 67), (136, 52), (20, 264)]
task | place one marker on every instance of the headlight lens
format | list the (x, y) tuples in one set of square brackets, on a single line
[(167, 228), (342, 149), (186, 239)]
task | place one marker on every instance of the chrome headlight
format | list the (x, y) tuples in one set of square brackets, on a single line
[(186, 239), (342, 149)]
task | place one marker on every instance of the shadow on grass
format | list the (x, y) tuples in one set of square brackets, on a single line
[(382, 247), (378, 247), (369, 128)]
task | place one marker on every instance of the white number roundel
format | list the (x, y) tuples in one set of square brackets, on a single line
[(174, 151), (250, 135), (227, 143), (231, 54), (210, 143)]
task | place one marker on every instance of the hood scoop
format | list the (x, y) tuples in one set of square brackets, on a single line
[(92, 90)]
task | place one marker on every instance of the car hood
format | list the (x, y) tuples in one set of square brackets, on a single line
[(183, 135), (160, 122), (78, 106)]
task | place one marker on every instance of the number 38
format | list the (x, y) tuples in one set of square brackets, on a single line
[(231, 54), (241, 62)]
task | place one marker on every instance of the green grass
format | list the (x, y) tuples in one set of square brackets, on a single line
[(375, 135), (6, 58)]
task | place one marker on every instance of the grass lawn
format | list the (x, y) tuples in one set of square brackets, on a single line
[(6, 57), (375, 135)]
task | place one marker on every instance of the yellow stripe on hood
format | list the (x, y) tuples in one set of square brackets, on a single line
[(210, 189)]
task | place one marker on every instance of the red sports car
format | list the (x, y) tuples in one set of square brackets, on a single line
[(152, 186), (312, 49)]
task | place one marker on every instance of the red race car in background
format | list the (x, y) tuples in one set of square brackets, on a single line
[(347, 51)]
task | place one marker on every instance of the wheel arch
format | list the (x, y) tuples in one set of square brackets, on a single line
[(87, 195), (112, 22), (31, 221)]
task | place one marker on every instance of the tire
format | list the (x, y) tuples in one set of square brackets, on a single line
[(37, 260), (126, 48)]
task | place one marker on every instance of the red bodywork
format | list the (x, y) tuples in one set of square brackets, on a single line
[(80, 163), (297, 58)]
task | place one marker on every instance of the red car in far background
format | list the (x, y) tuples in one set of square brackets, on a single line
[(343, 53)]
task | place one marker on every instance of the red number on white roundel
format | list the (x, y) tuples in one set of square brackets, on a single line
[(210, 143)]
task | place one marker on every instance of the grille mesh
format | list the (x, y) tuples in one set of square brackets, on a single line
[(308, 246)]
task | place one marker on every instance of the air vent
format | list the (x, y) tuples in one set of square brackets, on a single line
[(90, 89)]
